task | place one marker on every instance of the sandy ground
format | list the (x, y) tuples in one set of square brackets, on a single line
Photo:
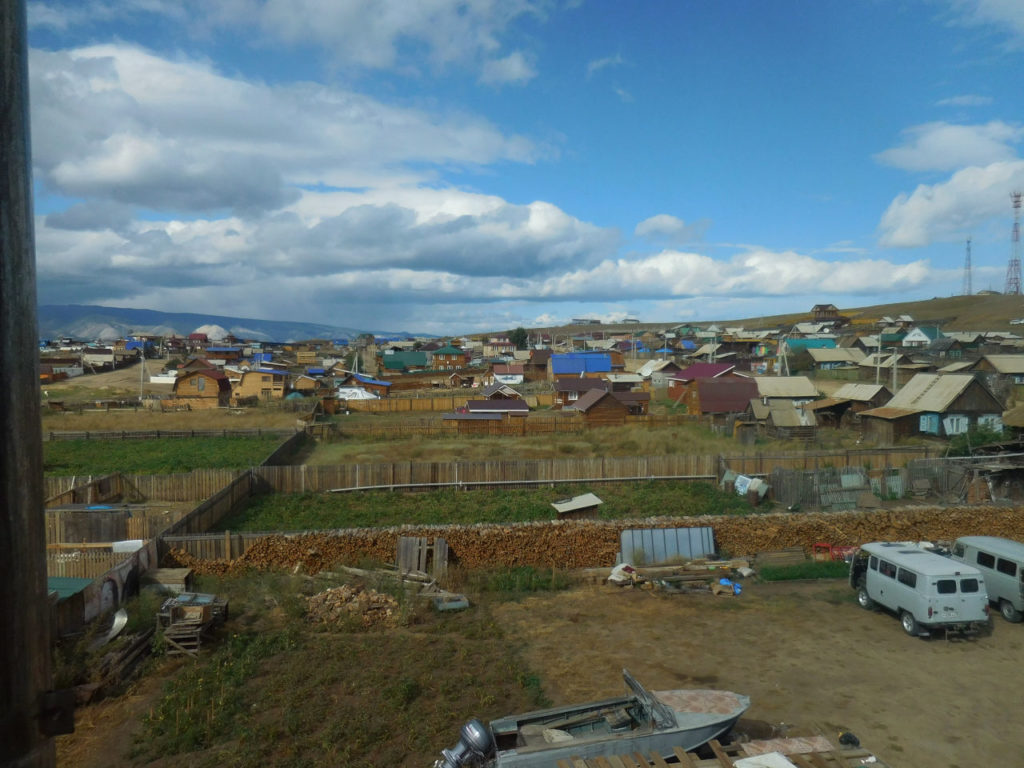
[(804, 653), (122, 379)]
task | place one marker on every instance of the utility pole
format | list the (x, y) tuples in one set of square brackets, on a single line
[(29, 716), (967, 270)]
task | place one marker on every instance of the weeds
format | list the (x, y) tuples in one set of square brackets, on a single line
[(163, 456), (812, 569), (373, 509)]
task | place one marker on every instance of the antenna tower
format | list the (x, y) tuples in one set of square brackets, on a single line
[(967, 270), (1013, 270)]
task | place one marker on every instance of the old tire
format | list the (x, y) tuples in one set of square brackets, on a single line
[(909, 624), (863, 600), (1009, 612)]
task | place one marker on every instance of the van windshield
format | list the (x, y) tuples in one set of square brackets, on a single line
[(968, 585), (946, 586)]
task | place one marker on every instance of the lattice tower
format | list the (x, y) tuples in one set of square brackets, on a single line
[(1013, 270)]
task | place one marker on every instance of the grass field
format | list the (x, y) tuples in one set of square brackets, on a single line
[(164, 456), (303, 512), (381, 696)]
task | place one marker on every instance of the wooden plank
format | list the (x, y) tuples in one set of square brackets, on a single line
[(615, 761), (683, 757), (658, 761), (723, 758), (563, 764)]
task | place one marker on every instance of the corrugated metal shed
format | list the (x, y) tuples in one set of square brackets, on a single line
[(660, 545)]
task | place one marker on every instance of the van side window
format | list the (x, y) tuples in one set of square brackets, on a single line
[(873, 563), (958, 549), (968, 585), (1006, 566), (945, 586), (903, 576), (887, 569), (985, 559)]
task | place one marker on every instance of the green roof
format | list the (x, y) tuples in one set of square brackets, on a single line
[(449, 350), (66, 586), (399, 361)]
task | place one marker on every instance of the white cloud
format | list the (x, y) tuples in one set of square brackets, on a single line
[(943, 146), (377, 33), (965, 100), (666, 227), (946, 211), (1008, 14), (514, 68), (597, 65), (123, 124)]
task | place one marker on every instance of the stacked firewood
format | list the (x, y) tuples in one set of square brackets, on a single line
[(346, 603), (595, 543)]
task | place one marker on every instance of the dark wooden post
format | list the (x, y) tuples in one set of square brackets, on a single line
[(25, 670)]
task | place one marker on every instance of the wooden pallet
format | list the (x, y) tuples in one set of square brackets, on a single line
[(724, 757)]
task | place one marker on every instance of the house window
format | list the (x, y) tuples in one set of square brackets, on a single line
[(200, 384)]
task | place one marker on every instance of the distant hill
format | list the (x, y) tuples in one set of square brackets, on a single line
[(88, 323), (980, 312)]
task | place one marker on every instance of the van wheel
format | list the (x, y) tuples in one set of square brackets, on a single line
[(909, 624), (1009, 612), (863, 600)]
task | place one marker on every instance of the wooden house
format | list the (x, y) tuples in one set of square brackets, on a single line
[(717, 396), (262, 384), (600, 408), (202, 388), (568, 391), (942, 405), (447, 358)]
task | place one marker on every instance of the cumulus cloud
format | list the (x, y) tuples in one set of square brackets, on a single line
[(943, 146), (945, 211), (123, 124), (514, 68), (666, 227)]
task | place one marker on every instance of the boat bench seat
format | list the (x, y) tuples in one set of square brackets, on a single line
[(541, 734)]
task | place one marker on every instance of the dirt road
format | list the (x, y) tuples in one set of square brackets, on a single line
[(805, 653)]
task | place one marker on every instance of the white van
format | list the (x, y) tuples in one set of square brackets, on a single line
[(927, 591), (1001, 561)]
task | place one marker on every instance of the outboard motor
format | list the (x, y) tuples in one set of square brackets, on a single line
[(475, 745)]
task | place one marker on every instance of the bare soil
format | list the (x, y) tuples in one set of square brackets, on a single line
[(805, 653)]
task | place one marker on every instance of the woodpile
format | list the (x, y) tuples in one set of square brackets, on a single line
[(347, 603), (576, 544)]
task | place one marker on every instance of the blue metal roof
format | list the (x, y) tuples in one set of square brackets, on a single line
[(368, 380), (66, 586), (581, 363)]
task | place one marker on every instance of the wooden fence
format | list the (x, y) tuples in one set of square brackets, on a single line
[(203, 484), (160, 434), (83, 563), (410, 474), (877, 458), (440, 403), (225, 501)]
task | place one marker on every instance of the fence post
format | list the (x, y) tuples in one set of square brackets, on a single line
[(227, 545)]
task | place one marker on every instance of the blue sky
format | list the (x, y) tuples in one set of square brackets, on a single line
[(450, 166)]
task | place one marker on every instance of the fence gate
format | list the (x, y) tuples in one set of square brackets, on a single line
[(424, 555)]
